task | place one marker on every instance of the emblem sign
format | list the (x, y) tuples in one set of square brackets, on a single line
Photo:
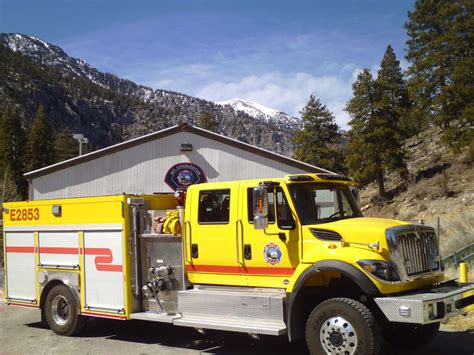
[(180, 176), (272, 253)]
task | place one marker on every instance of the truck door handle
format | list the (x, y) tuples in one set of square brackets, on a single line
[(238, 251), (187, 239), (247, 251), (194, 251)]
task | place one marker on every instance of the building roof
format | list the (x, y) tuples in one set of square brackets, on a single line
[(184, 127)]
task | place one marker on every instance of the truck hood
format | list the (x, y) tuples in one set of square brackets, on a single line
[(362, 229), (366, 222)]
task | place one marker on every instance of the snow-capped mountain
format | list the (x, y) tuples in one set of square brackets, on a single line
[(261, 112), (108, 109)]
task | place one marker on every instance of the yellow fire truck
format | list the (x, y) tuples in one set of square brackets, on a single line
[(292, 255)]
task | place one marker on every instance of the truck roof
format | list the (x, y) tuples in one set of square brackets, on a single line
[(288, 179)]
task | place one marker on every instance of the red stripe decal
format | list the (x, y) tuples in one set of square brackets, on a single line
[(103, 260), (20, 249), (110, 316), (58, 250), (283, 271)]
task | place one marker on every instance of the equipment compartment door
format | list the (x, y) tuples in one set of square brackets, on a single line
[(103, 270), (20, 265)]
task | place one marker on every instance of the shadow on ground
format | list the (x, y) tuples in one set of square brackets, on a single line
[(219, 342)]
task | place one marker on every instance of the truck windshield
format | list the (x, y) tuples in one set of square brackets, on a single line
[(322, 203)]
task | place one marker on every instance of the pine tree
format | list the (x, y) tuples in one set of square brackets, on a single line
[(392, 101), (441, 52), (392, 112), (374, 145), (65, 147), (40, 142), (12, 155), (364, 151), (208, 121), (318, 141)]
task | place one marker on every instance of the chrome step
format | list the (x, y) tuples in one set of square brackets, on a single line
[(235, 324), (246, 310), (155, 317)]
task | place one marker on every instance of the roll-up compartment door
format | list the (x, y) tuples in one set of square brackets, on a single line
[(103, 270), (20, 265)]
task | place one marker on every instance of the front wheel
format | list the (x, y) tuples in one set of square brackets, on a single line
[(61, 311), (344, 326)]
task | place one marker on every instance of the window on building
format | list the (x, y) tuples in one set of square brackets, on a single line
[(214, 206)]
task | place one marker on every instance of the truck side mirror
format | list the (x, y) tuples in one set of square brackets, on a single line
[(260, 207)]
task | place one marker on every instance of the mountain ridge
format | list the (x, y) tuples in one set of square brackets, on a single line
[(109, 109)]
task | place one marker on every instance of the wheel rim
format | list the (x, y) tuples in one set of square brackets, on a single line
[(338, 336), (60, 310)]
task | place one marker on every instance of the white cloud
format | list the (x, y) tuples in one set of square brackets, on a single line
[(288, 92), (197, 70)]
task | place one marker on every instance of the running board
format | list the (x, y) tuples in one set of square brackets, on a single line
[(234, 324), (248, 310), (155, 317)]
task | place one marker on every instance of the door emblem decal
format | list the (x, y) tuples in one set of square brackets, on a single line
[(272, 253)]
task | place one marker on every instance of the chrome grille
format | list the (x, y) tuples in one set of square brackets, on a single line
[(414, 249), (419, 249)]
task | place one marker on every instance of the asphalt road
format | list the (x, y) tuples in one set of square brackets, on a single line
[(22, 333)]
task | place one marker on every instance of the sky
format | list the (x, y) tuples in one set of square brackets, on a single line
[(274, 52)]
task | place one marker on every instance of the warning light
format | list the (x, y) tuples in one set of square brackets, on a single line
[(180, 197)]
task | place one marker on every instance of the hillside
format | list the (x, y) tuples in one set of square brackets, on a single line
[(441, 184), (108, 109)]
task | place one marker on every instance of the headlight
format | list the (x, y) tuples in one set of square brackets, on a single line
[(380, 269)]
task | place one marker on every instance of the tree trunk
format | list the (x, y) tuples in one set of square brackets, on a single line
[(380, 182)]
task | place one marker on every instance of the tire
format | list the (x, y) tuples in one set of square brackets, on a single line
[(61, 312), (413, 335), (344, 326)]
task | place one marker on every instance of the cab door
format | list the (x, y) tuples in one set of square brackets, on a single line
[(211, 239), (270, 256)]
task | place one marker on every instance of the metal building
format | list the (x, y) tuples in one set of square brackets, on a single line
[(141, 165)]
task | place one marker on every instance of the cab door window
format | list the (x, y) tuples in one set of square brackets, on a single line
[(214, 207), (283, 210)]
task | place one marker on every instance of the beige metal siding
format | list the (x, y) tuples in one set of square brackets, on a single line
[(141, 169)]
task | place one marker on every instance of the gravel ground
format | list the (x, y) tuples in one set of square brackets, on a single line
[(22, 333)]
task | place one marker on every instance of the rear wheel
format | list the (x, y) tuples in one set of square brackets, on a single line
[(61, 311), (342, 325)]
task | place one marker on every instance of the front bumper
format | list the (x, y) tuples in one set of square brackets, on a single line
[(437, 304)]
